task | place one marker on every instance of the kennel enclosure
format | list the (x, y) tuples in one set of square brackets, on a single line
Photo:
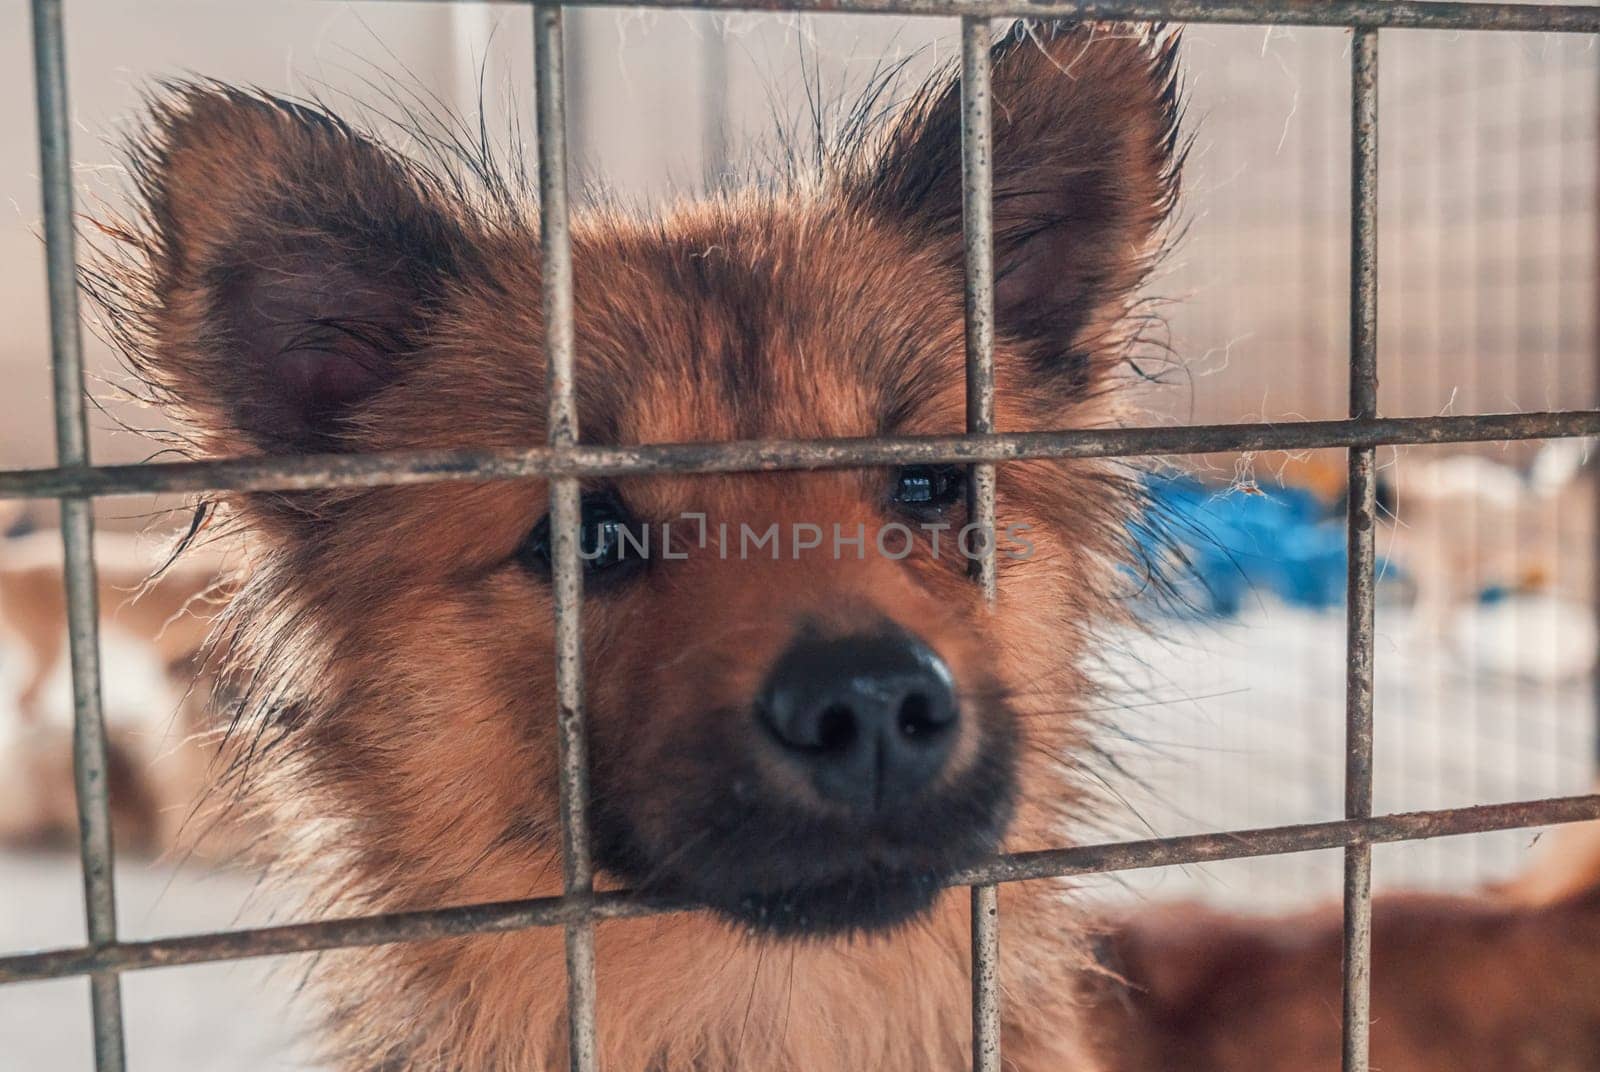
[(76, 482)]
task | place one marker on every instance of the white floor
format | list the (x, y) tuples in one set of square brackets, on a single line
[(214, 1018), (1242, 725), (1227, 727)]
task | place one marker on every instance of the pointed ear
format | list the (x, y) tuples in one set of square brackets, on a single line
[(1086, 164), (291, 268)]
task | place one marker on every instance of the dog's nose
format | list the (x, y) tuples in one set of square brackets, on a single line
[(869, 718)]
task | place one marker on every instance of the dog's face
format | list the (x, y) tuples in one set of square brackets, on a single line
[(801, 712)]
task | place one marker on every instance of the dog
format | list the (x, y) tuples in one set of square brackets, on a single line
[(1503, 980), (156, 602), (807, 740), (156, 772)]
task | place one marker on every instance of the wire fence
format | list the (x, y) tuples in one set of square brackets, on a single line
[(76, 483), (1486, 275)]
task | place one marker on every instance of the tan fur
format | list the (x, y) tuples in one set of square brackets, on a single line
[(399, 655)]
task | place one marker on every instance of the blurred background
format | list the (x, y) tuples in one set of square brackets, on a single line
[(1229, 712)]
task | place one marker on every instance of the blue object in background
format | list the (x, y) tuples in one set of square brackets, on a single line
[(1220, 547)]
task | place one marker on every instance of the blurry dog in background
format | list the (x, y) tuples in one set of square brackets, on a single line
[(1507, 979), (158, 761)]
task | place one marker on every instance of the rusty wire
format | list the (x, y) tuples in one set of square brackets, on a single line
[(563, 460)]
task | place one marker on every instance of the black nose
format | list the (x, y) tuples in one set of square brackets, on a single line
[(870, 718)]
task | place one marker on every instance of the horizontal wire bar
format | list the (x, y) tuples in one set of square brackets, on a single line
[(622, 904), (307, 473), (1395, 14)]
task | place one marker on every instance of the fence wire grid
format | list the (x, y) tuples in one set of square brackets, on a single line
[(77, 483)]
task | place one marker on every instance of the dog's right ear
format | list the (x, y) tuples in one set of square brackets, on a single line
[(292, 267)]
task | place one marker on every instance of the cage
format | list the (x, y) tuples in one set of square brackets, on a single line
[(1437, 236)]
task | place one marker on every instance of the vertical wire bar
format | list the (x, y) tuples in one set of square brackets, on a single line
[(986, 978), (565, 513), (977, 206), (1360, 537), (714, 114), (1594, 550), (977, 214), (77, 528)]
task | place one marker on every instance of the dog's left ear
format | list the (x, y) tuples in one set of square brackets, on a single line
[(1086, 163), (295, 269)]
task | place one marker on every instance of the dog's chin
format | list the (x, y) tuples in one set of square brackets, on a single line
[(773, 898), (869, 902), (782, 870)]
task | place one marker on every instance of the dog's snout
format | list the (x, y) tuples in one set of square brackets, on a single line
[(869, 718)]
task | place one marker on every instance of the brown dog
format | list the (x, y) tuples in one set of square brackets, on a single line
[(163, 605), (1507, 980), (807, 736), (157, 769)]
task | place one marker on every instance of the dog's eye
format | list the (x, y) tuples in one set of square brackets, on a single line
[(929, 487), (606, 537)]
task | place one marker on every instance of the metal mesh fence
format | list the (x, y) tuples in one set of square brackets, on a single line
[(76, 482), (1486, 270)]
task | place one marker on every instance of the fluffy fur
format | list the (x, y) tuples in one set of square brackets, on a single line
[(290, 285)]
